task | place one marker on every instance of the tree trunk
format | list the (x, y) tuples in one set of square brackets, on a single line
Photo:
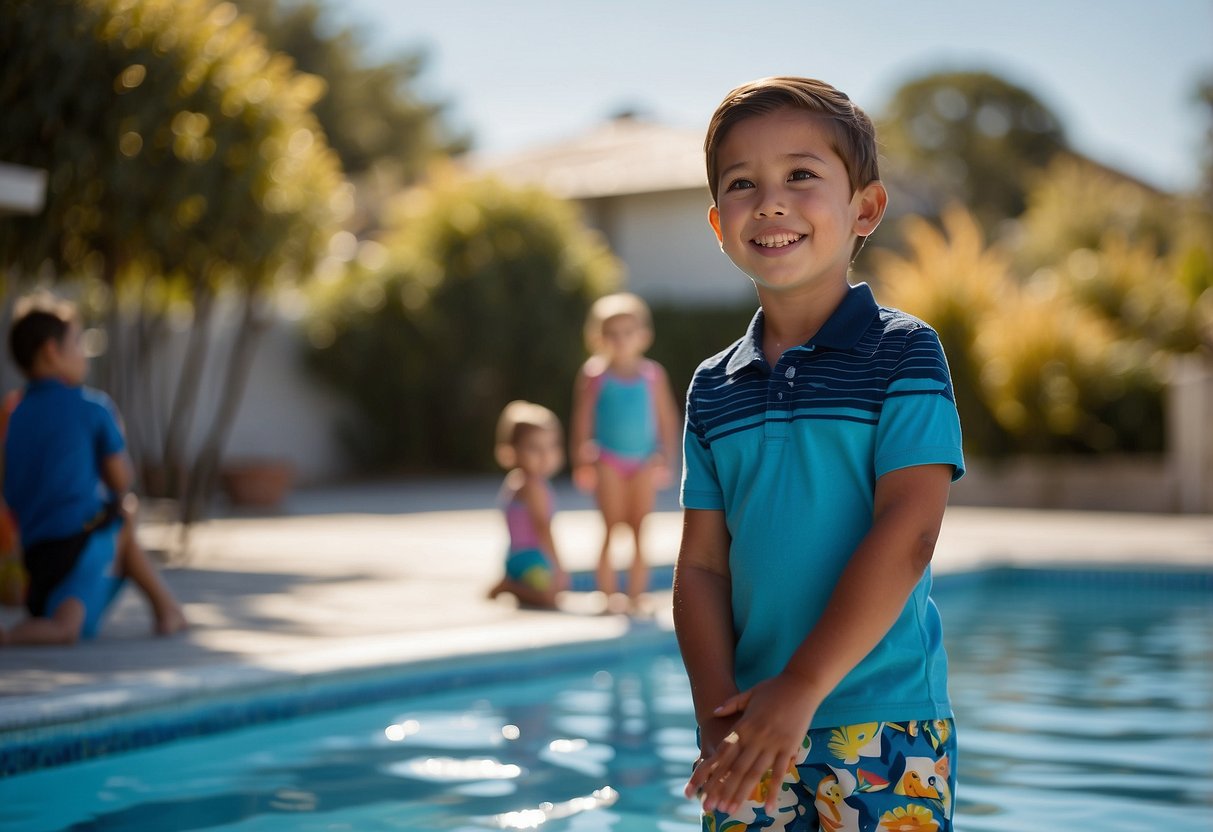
[(185, 399), (205, 473), (147, 445)]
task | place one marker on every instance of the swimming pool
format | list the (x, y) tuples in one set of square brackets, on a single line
[(1084, 701)]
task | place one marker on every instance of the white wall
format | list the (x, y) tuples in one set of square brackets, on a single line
[(668, 247), (286, 413)]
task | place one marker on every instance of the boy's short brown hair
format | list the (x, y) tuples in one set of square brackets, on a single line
[(854, 134), (37, 319)]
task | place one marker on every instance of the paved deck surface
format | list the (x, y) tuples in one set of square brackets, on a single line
[(378, 575)]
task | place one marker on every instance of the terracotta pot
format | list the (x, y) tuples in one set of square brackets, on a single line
[(260, 483)]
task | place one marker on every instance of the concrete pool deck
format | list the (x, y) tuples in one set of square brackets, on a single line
[(375, 576)]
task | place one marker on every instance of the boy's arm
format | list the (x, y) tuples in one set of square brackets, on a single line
[(116, 473), (110, 447), (868, 598), (581, 429), (703, 619)]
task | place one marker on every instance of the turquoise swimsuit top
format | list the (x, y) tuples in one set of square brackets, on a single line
[(625, 418)]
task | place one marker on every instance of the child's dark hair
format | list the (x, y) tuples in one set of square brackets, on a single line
[(854, 135), (37, 319)]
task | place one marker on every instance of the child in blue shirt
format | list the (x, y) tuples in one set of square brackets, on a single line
[(66, 481), (818, 453)]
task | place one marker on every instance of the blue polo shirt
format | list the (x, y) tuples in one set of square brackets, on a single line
[(791, 455), (57, 437)]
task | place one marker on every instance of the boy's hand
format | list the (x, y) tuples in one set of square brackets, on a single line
[(712, 733), (768, 736)]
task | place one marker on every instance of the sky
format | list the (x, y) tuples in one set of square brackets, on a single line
[(1121, 75)]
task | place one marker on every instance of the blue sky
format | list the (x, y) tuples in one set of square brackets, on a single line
[(1121, 75)]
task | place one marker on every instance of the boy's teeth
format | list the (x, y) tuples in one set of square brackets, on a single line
[(777, 240)]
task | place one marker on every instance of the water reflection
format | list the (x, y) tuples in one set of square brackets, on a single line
[(1075, 711), (1082, 708)]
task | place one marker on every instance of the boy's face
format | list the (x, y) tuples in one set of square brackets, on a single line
[(785, 213)]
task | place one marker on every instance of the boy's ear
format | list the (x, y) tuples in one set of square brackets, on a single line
[(714, 221), (873, 199)]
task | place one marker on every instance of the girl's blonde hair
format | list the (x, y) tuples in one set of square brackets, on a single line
[(517, 419), (613, 306)]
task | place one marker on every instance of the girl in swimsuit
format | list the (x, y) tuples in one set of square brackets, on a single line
[(624, 426), (529, 447)]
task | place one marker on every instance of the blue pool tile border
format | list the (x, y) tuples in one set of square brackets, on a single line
[(38, 748), (28, 750), (1095, 577)]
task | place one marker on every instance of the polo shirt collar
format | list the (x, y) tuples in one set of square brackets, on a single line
[(841, 331)]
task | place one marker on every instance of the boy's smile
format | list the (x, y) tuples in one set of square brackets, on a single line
[(785, 212)]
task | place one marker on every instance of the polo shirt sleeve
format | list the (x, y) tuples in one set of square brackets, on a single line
[(700, 484), (107, 432), (919, 424)]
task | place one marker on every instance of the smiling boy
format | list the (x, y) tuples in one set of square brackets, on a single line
[(818, 454)]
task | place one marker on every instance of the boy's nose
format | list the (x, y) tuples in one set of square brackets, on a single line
[(770, 205)]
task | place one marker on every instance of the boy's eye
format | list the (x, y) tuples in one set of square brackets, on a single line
[(801, 175), (739, 185)]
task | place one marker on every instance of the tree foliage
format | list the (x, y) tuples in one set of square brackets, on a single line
[(175, 142), (1138, 258), (475, 296), (1205, 97), (969, 137), (183, 161), (1035, 368), (370, 112)]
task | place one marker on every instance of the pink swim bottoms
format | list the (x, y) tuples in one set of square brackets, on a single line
[(626, 466)]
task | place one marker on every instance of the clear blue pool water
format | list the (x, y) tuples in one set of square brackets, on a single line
[(1079, 706)]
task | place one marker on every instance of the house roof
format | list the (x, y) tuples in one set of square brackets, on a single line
[(626, 155)]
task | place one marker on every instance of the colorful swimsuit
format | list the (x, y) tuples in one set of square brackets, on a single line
[(625, 418), (526, 561)]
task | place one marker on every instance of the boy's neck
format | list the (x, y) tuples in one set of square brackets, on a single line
[(39, 377), (792, 318)]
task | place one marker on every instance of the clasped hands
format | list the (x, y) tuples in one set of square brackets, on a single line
[(753, 733)]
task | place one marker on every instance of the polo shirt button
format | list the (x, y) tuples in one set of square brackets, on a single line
[(779, 396), (789, 372)]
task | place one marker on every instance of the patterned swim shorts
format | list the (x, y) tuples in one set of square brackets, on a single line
[(871, 777)]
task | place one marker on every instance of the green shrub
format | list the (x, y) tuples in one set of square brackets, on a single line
[(480, 299), (1038, 366), (685, 336)]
